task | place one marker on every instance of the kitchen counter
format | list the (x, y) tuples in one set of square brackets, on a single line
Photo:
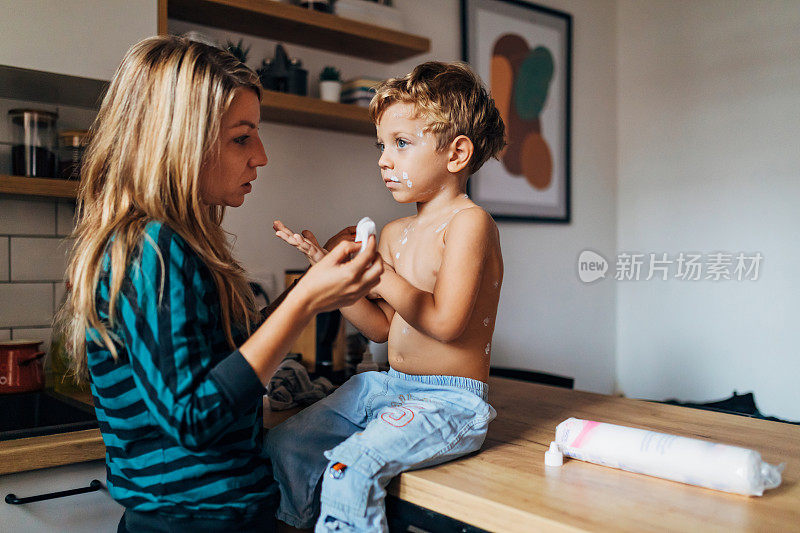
[(506, 487), (20, 455)]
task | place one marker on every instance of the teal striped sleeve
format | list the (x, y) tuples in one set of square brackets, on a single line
[(167, 308)]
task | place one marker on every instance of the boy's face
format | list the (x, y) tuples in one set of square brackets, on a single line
[(410, 165)]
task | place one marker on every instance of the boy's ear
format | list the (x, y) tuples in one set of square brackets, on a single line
[(460, 154)]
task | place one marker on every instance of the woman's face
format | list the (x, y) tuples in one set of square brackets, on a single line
[(226, 178)]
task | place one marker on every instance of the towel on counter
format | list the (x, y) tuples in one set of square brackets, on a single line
[(291, 386)]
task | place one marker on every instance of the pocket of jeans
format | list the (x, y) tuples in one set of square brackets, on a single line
[(347, 487)]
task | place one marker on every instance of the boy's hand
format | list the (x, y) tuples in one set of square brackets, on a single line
[(305, 243), (388, 270), (337, 281), (347, 234)]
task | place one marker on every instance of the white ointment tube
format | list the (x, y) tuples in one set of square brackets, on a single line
[(692, 461), (364, 229)]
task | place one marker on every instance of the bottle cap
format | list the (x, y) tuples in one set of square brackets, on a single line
[(553, 456)]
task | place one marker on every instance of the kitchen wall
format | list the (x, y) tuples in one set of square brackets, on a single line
[(548, 320), (692, 104), (708, 122), (32, 240)]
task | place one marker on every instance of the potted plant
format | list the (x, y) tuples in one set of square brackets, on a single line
[(238, 50), (330, 84)]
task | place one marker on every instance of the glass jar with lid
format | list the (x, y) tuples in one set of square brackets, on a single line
[(71, 146), (33, 152)]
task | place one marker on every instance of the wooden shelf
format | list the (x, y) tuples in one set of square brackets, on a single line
[(314, 113), (50, 187), (284, 22), (49, 87)]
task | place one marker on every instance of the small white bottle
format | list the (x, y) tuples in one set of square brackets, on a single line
[(366, 364)]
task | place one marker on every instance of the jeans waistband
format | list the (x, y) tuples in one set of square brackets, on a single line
[(474, 386)]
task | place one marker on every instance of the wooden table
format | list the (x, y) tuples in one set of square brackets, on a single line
[(505, 487)]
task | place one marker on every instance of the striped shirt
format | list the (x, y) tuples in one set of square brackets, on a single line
[(180, 414)]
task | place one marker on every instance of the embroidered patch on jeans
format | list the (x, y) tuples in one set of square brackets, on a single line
[(335, 524), (337, 470), (400, 415)]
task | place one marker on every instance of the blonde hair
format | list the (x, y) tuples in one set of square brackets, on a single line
[(452, 100), (157, 126)]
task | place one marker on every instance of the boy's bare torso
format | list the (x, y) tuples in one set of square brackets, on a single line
[(415, 249)]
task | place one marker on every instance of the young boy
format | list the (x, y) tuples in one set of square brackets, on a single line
[(436, 304)]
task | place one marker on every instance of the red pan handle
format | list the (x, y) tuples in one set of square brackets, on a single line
[(34, 357)]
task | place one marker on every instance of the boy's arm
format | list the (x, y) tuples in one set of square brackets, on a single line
[(444, 314), (372, 317)]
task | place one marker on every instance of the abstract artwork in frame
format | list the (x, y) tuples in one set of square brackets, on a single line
[(523, 52)]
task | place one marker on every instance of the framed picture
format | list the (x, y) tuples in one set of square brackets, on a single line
[(523, 53)]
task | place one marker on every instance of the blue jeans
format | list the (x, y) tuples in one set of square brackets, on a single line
[(375, 426)]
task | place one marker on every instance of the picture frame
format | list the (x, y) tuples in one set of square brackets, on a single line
[(523, 53)]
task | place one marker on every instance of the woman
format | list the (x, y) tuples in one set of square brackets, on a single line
[(160, 315)]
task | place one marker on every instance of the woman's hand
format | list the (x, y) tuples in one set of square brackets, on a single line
[(305, 242), (336, 281)]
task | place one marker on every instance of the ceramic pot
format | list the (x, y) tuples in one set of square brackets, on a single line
[(330, 91), (21, 368)]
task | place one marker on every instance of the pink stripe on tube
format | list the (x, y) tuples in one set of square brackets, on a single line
[(590, 425)]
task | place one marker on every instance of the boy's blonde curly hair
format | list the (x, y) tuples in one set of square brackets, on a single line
[(452, 100)]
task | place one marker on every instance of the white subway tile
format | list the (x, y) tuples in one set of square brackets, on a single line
[(34, 334), (29, 216), (61, 288), (38, 258), (26, 304), (65, 217), (4, 259), (5, 334)]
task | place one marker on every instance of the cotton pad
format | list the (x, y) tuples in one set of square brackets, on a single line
[(364, 229)]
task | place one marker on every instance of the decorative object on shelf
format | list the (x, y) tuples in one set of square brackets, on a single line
[(524, 53), (316, 5), (282, 74), (371, 12), (359, 91), (266, 74), (297, 82), (71, 143), (330, 84), (238, 50), (33, 152)]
